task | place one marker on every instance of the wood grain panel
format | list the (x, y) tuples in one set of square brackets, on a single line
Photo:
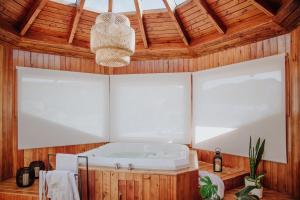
[(14, 11), (137, 184)]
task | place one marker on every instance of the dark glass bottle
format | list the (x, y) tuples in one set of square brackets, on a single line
[(218, 161), (25, 177)]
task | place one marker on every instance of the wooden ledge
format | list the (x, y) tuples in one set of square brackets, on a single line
[(232, 177)]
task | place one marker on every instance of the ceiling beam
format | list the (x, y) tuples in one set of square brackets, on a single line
[(217, 22), (110, 5), (288, 16), (175, 18), (32, 15), (264, 7), (79, 9), (139, 14)]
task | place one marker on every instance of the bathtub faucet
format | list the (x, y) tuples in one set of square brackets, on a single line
[(130, 166), (117, 166)]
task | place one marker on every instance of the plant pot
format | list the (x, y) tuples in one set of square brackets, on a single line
[(258, 192)]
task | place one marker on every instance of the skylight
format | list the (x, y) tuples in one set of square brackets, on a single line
[(152, 4), (65, 2), (100, 6), (123, 6)]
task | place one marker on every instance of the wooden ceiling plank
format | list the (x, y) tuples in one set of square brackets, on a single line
[(139, 14), (179, 26), (264, 7), (110, 5), (79, 9), (288, 15), (216, 21), (32, 15)]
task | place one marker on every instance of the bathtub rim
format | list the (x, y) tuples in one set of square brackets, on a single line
[(193, 158)]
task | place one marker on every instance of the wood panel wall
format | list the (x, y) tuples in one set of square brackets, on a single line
[(116, 184), (282, 177)]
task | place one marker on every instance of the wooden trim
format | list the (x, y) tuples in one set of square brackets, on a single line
[(1, 103), (32, 15), (139, 15), (79, 9), (295, 109), (110, 5), (217, 22), (264, 7), (179, 26)]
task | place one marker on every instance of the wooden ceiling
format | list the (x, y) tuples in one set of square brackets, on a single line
[(193, 28)]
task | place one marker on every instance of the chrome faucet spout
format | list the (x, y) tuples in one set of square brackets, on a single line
[(130, 167), (117, 166)]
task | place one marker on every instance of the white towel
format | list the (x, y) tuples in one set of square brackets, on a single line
[(216, 180), (67, 162), (42, 185), (62, 185)]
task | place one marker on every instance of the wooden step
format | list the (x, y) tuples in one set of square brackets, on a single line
[(232, 177), (10, 191), (267, 195)]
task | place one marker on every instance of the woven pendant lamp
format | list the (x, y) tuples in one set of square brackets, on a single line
[(112, 40)]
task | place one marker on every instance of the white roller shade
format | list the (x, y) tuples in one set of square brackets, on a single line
[(234, 102), (58, 108), (150, 108)]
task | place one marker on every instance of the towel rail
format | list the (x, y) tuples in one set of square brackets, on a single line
[(49, 167)]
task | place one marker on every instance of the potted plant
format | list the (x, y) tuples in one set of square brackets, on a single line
[(208, 190), (244, 194), (254, 179)]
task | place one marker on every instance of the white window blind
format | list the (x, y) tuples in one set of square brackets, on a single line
[(57, 108), (234, 102), (150, 108)]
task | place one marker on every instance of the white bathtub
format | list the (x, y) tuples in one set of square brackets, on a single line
[(147, 156)]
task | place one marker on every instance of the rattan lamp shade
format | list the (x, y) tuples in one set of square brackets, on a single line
[(112, 40)]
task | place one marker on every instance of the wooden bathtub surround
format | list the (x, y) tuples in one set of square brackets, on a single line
[(124, 184)]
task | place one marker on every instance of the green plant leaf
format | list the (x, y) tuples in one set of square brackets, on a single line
[(208, 190), (250, 144), (204, 191), (206, 180), (257, 145), (214, 189), (245, 191), (259, 177), (259, 154)]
